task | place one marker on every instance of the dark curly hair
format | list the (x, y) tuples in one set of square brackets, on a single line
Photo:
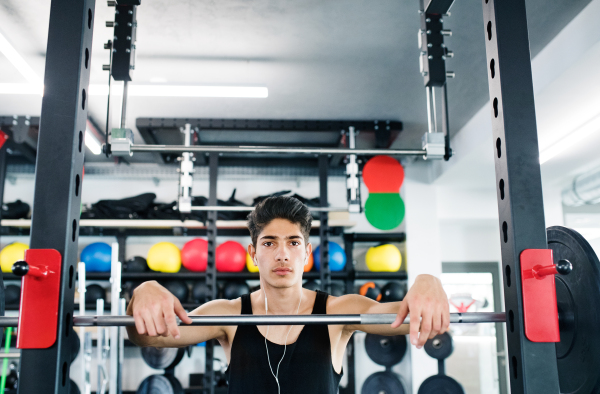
[(280, 207)]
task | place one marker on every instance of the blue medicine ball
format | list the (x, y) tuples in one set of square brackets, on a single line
[(337, 257), (96, 257)]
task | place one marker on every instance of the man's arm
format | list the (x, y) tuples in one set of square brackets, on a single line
[(155, 309), (426, 302)]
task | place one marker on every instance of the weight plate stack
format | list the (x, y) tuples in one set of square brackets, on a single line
[(440, 384), (578, 297), (160, 384), (384, 382), (386, 350), (439, 347), (162, 358)]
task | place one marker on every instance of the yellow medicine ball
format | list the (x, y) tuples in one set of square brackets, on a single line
[(384, 258), (11, 254), (164, 257), (250, 264)]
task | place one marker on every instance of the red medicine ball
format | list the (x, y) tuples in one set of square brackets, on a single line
[(195, 254), (231, 257)]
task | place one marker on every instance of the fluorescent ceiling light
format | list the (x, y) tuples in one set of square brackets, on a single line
[(577, 135), (91, 141), (17, 60), (151, 90)]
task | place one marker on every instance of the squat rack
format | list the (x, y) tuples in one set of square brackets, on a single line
[(60, 162)]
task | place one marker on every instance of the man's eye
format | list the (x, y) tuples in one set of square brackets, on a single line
[(295, 243), (267, 244)]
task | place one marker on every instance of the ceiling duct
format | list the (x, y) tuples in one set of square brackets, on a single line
[(585, 190)]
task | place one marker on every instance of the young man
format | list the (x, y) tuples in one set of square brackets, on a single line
[(284, 359)]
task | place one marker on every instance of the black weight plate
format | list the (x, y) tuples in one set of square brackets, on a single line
[(439, 347), (384, 382), (162, 358), (75, 345), (157, 384), (440, 384), (578, 297), (386, 350), (73, 388)]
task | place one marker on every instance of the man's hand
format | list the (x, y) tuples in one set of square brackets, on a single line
[(154, 309), (427, 304)]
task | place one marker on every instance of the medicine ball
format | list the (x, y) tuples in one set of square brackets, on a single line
[(310, 264), (136, 264), (312, 285), (337, 257), (94, 292), (12, 295), (178, 288), (231, 257), (96, 257), (73, 388), (250, 264), (130, 287), (199, 292), (10, 254), (393, 291), (384, 258), (164, 257), (371, 290), (194, 255), (233, 290), (337, 289)]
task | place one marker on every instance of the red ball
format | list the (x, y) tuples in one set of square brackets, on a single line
[(231, 257), (194, 255)]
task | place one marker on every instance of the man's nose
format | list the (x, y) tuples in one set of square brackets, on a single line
[(282, 254)]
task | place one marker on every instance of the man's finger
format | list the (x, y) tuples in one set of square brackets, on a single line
[(436, 324), (401, 315), (149, 323), (179, 311), (172, 324), (426, 322), (445, 320), (139, 324), (159, 322), (415, 323)]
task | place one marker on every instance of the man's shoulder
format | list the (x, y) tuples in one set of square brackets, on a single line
[(220, 307)]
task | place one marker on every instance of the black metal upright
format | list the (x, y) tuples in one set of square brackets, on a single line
[(325, 273), (211, 279), (533, 367), (58, 174)]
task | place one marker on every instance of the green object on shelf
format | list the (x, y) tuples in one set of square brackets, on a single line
[(5, 362)]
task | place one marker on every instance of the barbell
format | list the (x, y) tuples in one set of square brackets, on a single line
[(272, 320)]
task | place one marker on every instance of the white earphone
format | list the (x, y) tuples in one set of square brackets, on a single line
[(276, 374)]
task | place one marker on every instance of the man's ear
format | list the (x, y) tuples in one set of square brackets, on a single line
[(308, 252), (251, 251)]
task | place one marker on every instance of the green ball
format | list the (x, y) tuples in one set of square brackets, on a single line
[(384, 211)]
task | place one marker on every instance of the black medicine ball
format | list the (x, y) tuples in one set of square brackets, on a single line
[(94, 292), (312, 285), (12, 295), (235, 290), (393, 291), (179, 289), (136, 264), (200, 292)]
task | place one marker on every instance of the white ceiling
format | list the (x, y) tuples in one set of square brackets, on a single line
[(567, 95), (334, 59)]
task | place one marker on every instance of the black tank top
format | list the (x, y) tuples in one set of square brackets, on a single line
[(306, 367)]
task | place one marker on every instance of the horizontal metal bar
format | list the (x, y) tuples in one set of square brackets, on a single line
[(272, 320), (10, 355), (248, 209), (268, 149)]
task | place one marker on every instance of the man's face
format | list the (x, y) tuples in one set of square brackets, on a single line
[(281, 253)]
